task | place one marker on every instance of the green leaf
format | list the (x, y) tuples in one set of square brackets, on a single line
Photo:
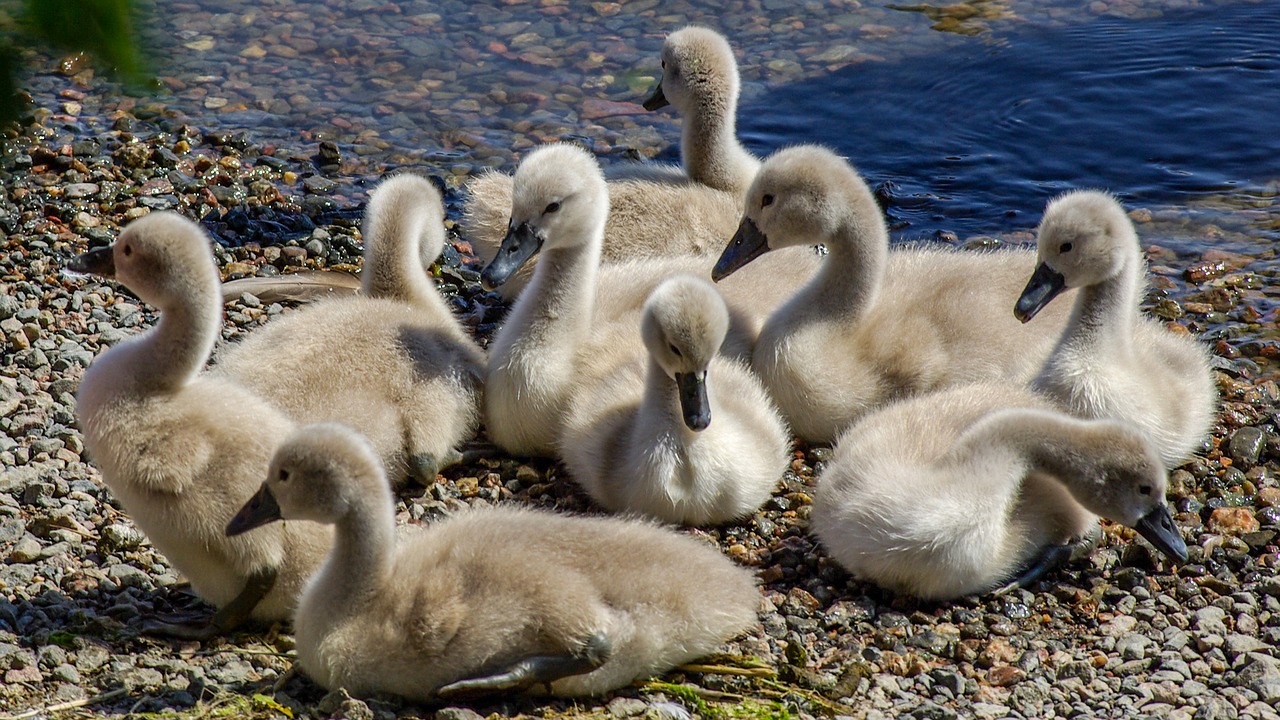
[(104, 28), (263, 702)]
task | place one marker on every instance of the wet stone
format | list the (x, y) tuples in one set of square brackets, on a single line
[(319, 185), (1246, 445), (78, 191)]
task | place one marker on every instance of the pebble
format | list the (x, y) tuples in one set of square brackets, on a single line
[(1118, 636), (1246, 445)]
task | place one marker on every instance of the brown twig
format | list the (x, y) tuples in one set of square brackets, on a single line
[(69, 705), (760, 672)]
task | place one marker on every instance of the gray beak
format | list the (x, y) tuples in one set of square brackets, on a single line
[(100, 262), (747, 245), (521, 243), (1158, 528), (693, 400), (261, 509), (656, 99), (1045, 284)]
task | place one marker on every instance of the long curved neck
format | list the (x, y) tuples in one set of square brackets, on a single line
[(1044, 441), (710, 149), (1105, 313), (849, 281), (363, 553), (660, 404), (397, 241), (177, 348), (555, 311)]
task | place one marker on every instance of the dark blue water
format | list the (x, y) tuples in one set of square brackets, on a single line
[(975, 141)]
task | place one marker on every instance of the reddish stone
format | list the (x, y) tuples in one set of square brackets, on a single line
[(1232, 521), (1006, 675), (595, 108)]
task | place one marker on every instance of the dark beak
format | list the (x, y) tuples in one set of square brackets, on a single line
[(100, 262), (261, 509), (1045, 284), (693, 400), (656, 99), (747, 245), (521, 243), (1158, 528)]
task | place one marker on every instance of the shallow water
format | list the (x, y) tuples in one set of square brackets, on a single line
[(978, 136), (968, 115)]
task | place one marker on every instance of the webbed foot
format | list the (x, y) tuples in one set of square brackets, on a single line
[(187, 626), (1051, 558), (424, 467), (539, 669)]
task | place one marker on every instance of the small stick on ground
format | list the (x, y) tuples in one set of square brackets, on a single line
[(704, 693), (760, 672), (69, 705)]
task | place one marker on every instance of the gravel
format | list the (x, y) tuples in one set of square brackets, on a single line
[(1121, 633)]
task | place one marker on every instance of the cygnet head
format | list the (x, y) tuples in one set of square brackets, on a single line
[(558, 200), (1129, 485), (163, 258), (684, 324), (319, 473), (803, 195), (1085, 238), (697, 67)]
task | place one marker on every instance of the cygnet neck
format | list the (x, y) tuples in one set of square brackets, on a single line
[(1106, 312), (709, 145), (361, 560), (399, 238), (849, 280), (174, 352), (1045, 441), (559, 303)]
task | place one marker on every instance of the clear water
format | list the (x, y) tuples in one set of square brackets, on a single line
[(1175, 106), (975, 138)]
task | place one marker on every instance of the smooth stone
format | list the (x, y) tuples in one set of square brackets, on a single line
[(1245, 446), (76, 191)]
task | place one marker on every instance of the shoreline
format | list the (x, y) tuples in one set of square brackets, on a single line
[(1120, 633)]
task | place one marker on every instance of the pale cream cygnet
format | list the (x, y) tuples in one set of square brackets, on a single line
[(488, 600), (393, 361), (182, 449), (685, 434), (1112, 360), (874, 324), (974, 487)]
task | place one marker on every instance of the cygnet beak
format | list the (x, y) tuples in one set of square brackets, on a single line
[(261, 509), (693, 400), (747, 245), (1158, 528), (656, 99), (1045, 284), (521, 243), (100, 262)]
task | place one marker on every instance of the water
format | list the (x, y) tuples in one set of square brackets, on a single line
[(1173, 109), (976, 138)]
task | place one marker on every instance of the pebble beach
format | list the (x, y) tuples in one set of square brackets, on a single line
[(277, 172)]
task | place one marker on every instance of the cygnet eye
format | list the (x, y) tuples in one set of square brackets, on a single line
[(283, 475), (1064, 248), (551, 208), (675, 350), (128, 249), (766, 201), (1144, 489)]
